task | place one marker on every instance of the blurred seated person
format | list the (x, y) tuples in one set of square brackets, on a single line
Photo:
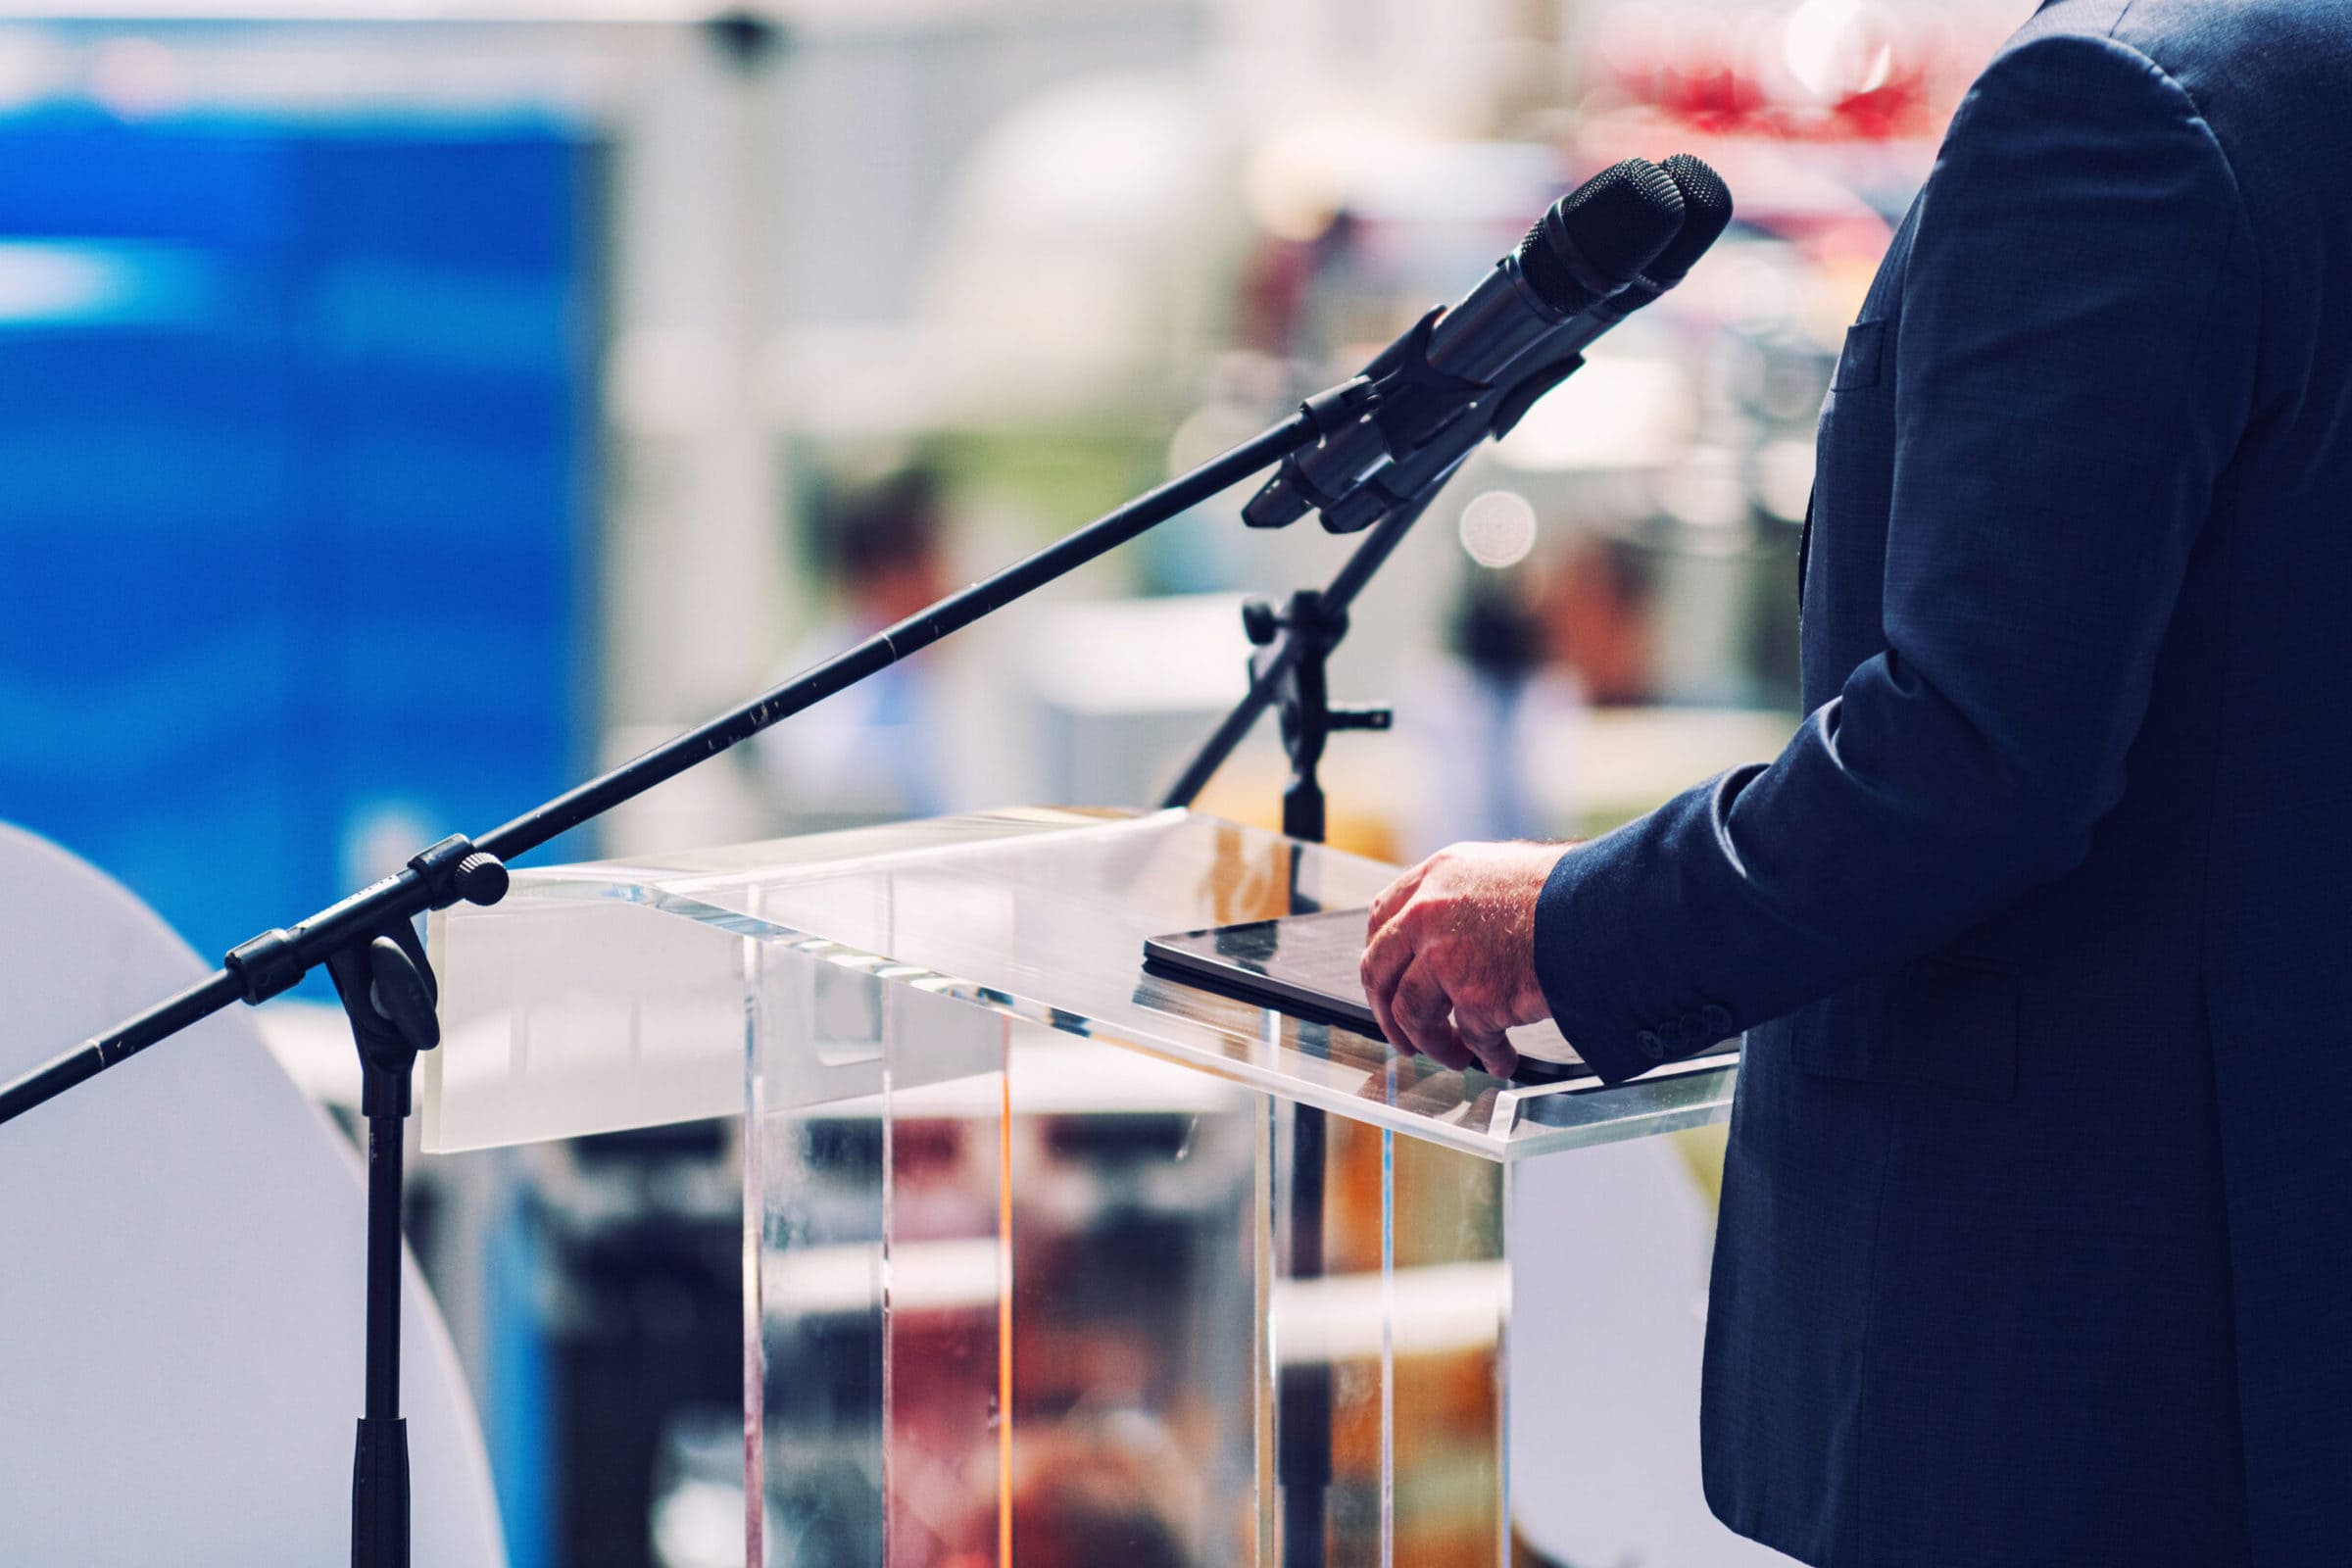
[(1533, 647), (870, 753)]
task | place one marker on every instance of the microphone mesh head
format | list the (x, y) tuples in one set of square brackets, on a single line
[(1706, 213), (1599, 235)]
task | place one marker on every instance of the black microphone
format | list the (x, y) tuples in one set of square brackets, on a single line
[(1706, 214), (1593, 243)]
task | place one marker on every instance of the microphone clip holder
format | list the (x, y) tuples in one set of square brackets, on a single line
[(1328, 414), (1398, 392), (1403, 367)]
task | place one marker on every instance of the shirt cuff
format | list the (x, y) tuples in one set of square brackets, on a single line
[(1616, 942)]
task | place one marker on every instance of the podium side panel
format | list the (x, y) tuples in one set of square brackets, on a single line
[(1449, 1304), (814, 1174), (1385, 1322), (947, 1218), (875, 1194), (1134, 1323)]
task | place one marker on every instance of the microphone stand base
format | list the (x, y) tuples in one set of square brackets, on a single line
[(379, 1495)]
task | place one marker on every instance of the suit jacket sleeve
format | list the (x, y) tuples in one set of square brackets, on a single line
[(2074, 368)]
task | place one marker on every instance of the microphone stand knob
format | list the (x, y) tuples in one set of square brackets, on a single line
[(453, 869), (481, 878)]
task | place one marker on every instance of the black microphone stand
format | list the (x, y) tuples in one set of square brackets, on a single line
[(1290, 672), (369, 945)]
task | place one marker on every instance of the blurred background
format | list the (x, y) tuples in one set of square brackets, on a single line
[(407, 409)]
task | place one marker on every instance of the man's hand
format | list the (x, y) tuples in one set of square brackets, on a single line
[(1451, 962)]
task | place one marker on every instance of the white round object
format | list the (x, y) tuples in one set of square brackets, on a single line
[(182, 1246), (1498, 528)]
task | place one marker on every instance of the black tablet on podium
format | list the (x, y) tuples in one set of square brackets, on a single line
[(1308, 966)]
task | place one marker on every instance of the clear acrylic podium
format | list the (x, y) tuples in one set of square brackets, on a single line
[(1041, 1264)]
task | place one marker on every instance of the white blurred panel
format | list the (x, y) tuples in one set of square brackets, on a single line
[(182, 1277)]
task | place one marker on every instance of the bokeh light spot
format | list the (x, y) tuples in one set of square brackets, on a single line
[(1498, 528)]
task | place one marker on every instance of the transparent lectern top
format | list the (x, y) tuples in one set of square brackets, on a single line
[(623, 993)]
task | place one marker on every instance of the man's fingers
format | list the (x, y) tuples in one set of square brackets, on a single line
[(1387, 1026), (1495, 1051), (1386, 957), (1443, 1044), (1484, 1030), (1424, 1011), (1384, 962), (1409, 1003), (1419, 1003)]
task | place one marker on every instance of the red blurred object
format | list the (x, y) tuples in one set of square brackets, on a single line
[(1861, 73), (1707, 88)]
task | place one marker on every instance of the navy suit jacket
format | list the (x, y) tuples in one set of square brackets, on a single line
[(2037, 1231)]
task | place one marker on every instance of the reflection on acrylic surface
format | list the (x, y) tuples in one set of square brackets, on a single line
[(1001, 1326), (606, 996)]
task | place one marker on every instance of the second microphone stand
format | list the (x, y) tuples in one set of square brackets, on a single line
[(1290, 672)]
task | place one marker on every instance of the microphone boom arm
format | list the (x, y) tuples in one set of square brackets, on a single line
[(274, 962)]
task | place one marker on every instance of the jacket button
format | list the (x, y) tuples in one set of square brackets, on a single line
[(1716, 1021), (1650, 1045)]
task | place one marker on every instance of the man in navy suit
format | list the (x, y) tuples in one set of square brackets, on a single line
[(2036, 1232)]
